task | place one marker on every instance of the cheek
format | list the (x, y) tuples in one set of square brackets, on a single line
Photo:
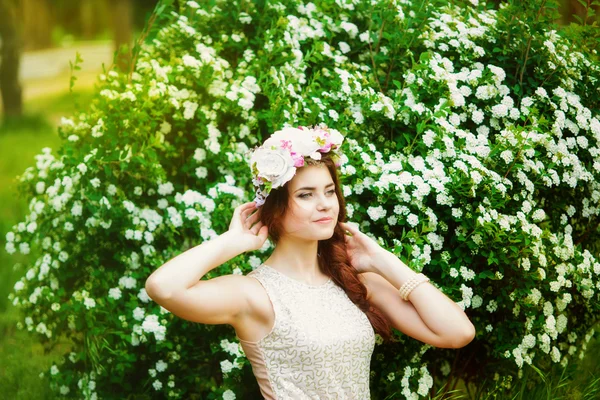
[(335, 208), (300, 210), (298, 215)]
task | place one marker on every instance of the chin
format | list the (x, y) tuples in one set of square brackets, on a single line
[(326, 236)]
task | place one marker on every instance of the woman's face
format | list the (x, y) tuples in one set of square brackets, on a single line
[(312, 197)]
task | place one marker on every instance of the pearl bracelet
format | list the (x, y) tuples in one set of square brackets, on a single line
[(411, 284)]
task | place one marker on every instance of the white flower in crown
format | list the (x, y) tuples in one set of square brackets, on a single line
[(275, 162)]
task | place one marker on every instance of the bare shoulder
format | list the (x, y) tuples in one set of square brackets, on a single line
[(246, 285), (248, 288)]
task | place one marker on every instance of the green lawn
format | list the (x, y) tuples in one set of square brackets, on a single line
[(22, 357)]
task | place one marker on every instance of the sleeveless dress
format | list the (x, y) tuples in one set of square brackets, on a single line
[(320, 345)]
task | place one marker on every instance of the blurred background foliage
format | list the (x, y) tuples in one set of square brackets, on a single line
[(38, 39), (53, 23)]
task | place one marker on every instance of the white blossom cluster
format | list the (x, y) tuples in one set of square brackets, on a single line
[(234, 349)]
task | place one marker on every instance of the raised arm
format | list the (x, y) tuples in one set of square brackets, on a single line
[(176, 285)]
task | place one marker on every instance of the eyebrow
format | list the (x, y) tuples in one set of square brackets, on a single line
[(312, 188)]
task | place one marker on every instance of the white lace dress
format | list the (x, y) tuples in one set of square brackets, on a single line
[(320, 346)]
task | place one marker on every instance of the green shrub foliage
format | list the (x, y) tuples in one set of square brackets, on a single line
[(472, 152)]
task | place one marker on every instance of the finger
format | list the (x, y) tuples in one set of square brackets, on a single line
[(252, 213), (238, 213), (252, 219), (347, 225), (239, 210), (244, 214), (256, 227), (263, 233), (349, 228), (353, 228), (245, 206)]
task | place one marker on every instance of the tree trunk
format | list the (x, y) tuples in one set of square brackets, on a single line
[(10, 88), (573, 7), (122, 15), (87, 19), (37, 21)]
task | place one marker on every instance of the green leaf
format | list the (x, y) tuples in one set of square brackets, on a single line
[(487, 274)]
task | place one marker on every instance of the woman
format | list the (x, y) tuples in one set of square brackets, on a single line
[(307, 317)]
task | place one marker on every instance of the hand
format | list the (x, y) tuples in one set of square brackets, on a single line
[(248, 237), (360, 248)]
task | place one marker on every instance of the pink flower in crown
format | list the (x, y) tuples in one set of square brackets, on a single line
[(327, 138), (286, 144), (326, 148), (334, 139), (257, 181), (298, 159)]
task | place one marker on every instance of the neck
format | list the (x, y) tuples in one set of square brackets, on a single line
[(297, 258)]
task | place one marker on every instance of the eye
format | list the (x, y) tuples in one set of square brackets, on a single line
[(305, 195)]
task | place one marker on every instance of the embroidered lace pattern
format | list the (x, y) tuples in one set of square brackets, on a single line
[(320, 345)]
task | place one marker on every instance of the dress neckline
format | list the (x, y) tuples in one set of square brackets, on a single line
[(298, 281)]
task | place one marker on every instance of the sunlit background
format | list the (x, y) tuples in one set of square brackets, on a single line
[(39, 40)]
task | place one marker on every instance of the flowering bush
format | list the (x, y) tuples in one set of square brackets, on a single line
[(471, 151)]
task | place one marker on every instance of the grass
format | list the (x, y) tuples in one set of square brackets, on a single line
[(23, 358), (21, 140)]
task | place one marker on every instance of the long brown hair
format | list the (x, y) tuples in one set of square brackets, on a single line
[(333, 261)]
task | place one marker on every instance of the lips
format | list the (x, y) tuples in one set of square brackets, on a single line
[(324, 219)]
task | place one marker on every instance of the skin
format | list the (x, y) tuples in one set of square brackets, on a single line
[(240, 301), (296, 252)]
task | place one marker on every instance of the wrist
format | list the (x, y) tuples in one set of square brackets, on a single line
[(378, 260), (388, 265), (234, 241)]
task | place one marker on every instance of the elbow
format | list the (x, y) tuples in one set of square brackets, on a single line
[(465, 338), (153, 290)]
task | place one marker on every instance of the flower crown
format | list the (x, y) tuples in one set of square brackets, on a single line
[(275, 162)]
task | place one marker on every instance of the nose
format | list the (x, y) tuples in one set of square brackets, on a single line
[(325, 202)]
